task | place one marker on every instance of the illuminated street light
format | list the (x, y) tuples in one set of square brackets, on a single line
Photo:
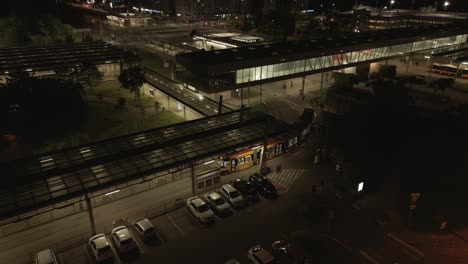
[(446, 5), (391, 4)]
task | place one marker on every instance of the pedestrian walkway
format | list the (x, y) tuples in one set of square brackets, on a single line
[(203, 105), (286, 177)]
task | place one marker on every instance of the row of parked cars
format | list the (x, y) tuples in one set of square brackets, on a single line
[(100, 246), (234, 195)]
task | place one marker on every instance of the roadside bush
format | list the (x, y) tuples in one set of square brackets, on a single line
[(120, 103)]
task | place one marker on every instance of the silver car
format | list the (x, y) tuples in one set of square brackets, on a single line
[(145, 229), (217, 203), (123, 239)]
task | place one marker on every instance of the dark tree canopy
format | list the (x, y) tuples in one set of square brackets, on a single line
[(133, 78), (40, 107)]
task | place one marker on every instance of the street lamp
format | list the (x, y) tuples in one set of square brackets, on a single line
[(391, 4), (446, 5)]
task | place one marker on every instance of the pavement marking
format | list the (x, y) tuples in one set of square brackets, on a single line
[(61, 258), (114, 249), (286, 177), (137, 241), (176, 226)]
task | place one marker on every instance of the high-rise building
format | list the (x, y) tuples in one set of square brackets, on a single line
[(211, 8)]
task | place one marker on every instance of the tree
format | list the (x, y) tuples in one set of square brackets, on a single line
[(40, 107), (131, 58), (388, 71), (15, 32), (344, 80), (86, 73), (51, 30), (133, 78)]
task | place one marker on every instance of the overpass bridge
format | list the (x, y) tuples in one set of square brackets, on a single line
[(203, 105), (223, 70)]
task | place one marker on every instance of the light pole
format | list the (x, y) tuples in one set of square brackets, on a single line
[(391, 4), (446, 5)]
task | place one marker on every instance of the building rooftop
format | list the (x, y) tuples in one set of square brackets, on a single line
[(48, 57), (316, 47)]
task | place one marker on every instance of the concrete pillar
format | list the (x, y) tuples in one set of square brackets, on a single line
[(303, 85), (260, 93), (363, 71), (168, 103), (91, 214), (194, 179)]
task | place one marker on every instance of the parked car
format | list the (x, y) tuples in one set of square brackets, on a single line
[(233, 196), (200, 210), (218, 204), (247, 189), (100, 247), (232, 261), (259, 255), (145, 229), (123, 239), (284, 250), (263, 185), (46, 257)]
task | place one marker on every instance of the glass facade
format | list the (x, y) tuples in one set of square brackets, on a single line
[(305, 65)]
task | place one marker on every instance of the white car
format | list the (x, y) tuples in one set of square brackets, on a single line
[(123, 239), (233, 196), (217, 202), (100, 247), (259, 255), (200, 210), (144, 229)]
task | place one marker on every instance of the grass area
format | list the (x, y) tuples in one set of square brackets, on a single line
[(104, 121), (112, 89), (259, 107)]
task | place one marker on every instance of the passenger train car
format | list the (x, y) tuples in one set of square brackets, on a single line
[(450, 70), (241, 159)]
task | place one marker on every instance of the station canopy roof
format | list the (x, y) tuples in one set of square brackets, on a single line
[(45, 180), (49, 57)]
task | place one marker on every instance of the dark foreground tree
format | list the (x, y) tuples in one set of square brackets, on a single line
[(133, 78), (40, 107)]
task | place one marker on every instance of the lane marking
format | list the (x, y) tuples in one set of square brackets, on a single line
[(61, 258), (137, 238), (176, 226)]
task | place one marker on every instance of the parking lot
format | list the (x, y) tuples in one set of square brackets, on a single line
[(172, 228)]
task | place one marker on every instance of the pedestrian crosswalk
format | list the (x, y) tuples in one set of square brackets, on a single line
[(285, 177)]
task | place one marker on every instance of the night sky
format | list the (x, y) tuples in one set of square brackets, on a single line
[(49, 5)]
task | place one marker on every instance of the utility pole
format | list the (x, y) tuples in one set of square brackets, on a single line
[(90, 214), (220, 105)]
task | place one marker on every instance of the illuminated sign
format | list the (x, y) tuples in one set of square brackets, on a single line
[(360, 186)]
